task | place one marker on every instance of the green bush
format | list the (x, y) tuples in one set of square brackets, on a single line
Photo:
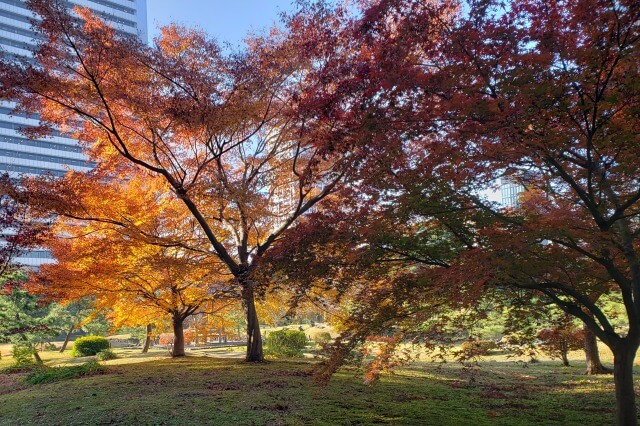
[(89, 345), (23, 355), (286, 343), (53, 374), (323, 337), (106, 355), (473, 348), (50, 347)]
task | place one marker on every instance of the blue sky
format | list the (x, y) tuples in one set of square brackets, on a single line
[(226, 20)]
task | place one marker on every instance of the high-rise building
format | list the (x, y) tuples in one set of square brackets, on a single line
[(511, 191), (57, 154)]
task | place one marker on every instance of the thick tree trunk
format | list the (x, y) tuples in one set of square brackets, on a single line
[(592, 355), (147, 340), (66, 339), (254, 338), (626, 411), (178, 332)]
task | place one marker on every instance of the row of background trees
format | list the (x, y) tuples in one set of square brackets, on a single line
[(342, 156)]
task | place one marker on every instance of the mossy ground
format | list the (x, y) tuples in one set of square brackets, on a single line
[(152, 389)]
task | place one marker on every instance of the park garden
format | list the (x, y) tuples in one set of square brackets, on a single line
[(334, 170)]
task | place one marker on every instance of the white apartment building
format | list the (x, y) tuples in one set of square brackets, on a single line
[(56, 154)]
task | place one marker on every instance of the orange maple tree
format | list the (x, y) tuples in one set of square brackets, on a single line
[(226, 134), (138, 279)]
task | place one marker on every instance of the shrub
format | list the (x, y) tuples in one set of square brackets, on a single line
[(323, 337), (286, 343), (106, 355), (50, 347), (558, 341), (53, 374), (89, 345), (20, 368), (472, 348), (23, 355)]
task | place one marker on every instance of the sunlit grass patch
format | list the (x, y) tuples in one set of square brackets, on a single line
[(206, 390)]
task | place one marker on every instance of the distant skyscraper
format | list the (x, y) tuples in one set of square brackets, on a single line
[(56, 154), (510, 191)]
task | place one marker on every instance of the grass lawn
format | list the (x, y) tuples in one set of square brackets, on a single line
[(152, 389)]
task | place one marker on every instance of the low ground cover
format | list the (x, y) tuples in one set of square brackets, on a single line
[(153, 389)]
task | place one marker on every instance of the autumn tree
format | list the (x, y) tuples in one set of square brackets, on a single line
[(554, 106), (226, 134), (544, 93), (559, 340), (384, 252), (137, 280)]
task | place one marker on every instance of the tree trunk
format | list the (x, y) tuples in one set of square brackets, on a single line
[(67, 338), (147, 340), (36, 355), (592, 355), (178, 332), (626, 411), (565, 359), (254, 338)]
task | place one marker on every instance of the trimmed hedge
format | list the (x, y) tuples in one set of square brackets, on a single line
[(286, 343), (89, 345)]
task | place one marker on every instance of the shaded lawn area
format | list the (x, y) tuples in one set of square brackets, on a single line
[(204, 390)]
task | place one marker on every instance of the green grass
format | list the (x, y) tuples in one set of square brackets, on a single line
[(214, 386), (205, 390)]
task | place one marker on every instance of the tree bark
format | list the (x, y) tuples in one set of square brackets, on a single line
[(36, 355), (67, 338), (565, 359), (626, 411), (254, 338), (147, 340), (178, 332), (592, 355)]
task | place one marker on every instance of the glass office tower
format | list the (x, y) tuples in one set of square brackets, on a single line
[(511, 191), (56, 154)]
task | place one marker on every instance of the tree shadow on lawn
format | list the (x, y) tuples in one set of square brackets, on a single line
[(204, 390)]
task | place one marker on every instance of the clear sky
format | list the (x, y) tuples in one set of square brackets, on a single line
[(226, 20)]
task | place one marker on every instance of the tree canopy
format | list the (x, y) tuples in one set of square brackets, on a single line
[(346, 153)]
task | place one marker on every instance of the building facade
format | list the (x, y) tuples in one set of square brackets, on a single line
[(56, 154), (510, 191)]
